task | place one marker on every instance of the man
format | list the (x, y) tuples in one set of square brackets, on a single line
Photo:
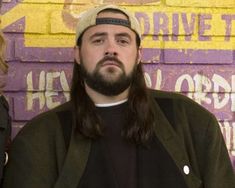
[(114, 132)]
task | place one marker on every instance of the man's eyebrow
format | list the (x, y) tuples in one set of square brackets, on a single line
[(101, 34), (98, 34), (124, 35)]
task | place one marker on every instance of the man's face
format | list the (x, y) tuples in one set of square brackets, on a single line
[(108, 56)]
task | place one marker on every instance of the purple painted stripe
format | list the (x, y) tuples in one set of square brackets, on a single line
[(21, 113), (171, 74), (34, 54), (18, 73), (184, 79), (198, 56), (10, 45), (153, 55), (16, 27), (150, 55), (7, 5)]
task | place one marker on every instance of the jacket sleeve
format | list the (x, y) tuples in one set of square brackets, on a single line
[(217, 171), (26, 167), (33, 160)]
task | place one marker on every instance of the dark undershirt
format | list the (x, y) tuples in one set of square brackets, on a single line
[(115, 163), (122, 153)]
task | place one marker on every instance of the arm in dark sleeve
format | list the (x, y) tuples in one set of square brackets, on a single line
[(218, 171), (32, 161)]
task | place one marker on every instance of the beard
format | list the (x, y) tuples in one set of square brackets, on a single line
[(105, 83)]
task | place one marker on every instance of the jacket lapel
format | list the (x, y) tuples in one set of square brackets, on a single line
[(79, 150), (169, 139), (75, 161)]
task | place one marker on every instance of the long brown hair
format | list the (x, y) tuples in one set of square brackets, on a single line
[(140, 119)]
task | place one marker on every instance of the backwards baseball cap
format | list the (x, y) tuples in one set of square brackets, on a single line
[(89, 18)]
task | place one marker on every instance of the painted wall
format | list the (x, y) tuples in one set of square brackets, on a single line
[(189, 47)]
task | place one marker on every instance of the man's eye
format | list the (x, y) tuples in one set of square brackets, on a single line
[(123, 41), (97, 41)]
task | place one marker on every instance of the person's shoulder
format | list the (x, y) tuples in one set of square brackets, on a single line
[(183, 109), (180, 102), (46, 122), (50, 114), (170, 95)]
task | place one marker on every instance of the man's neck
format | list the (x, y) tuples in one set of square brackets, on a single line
[(99, 98)]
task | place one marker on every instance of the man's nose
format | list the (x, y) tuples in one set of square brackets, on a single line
[(111, 49)]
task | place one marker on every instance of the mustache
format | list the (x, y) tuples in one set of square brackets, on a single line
[(108, 58)]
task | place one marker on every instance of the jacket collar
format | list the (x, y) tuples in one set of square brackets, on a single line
[(75, 160), (79, 149), (170, 140)]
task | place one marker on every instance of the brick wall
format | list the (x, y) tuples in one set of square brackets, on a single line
[(188, 47)]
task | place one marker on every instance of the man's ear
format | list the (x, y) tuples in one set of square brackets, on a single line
[(77, 54)]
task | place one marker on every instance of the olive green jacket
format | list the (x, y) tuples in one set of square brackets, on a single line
[(39, 157)]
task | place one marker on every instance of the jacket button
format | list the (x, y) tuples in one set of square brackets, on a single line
[(186, 169), (6, 158)]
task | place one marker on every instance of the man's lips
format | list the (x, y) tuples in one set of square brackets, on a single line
[(110, 63)]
